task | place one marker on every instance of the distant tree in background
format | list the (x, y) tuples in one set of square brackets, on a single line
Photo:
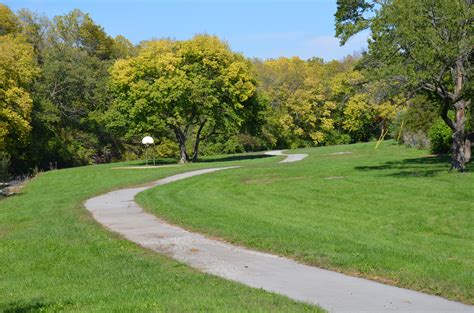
[(314, 102), (195, 89), (17, 71), (9, 23), (421, 46), (71, 93)]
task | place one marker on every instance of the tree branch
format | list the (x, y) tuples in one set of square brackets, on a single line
[(444, 115)]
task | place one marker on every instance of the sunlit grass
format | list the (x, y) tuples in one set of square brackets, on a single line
[(55, 257), (395, 215)]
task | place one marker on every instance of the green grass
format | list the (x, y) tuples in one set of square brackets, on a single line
[(55, 257), (395, 215)]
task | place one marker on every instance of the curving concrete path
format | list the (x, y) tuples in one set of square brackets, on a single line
[(289, 157), (332, 291)]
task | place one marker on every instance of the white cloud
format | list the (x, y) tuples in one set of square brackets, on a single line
[(328, 47), (302, 44)]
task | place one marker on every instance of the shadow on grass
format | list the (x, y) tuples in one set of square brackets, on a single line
[(157, 162), (32, 305), (234, 158), (224, 158), (418, 167)]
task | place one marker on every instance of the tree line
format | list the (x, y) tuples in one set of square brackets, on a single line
[(72, 95)]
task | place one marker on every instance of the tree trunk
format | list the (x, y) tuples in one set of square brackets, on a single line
[(467, 149), (181, 138), (198, 140), (183, 155), (458, 161), (196, 149)]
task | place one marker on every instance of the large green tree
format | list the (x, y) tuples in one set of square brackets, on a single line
[(195, 89), (70, 96), (419, 46)]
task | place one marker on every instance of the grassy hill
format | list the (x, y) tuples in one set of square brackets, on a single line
[(395, 215), (55, 257)]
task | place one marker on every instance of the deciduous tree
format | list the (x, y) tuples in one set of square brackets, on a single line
[(421, 45), (194, 88), (17, 70)]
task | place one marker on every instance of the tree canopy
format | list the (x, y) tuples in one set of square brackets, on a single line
[(17, 71), (194, 88), (419, 46)]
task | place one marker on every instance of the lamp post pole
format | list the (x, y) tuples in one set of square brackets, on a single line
[(154, 150)]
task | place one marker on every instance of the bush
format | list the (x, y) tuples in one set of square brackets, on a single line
[(4, 173), (418, 140), (411, 125), (250, 143), (167, 148), (234, 144), (440, 137), (337, 138), (4, 168)]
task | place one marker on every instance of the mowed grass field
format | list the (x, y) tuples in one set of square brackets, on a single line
[(394, 215), (55, 257)]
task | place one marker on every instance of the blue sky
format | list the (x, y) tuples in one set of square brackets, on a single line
[(258, 28)]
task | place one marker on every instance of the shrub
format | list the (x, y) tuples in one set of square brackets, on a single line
[(418, 140), (4, 172), (440, 137), (337, 138), (4, 167), (250, 143), (167, 149)]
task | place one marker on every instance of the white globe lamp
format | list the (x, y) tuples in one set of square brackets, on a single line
[(147, 140)]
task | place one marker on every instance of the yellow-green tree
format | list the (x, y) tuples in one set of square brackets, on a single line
[(193, 88), (309, 110), (17, 70), (301, 110), (9, 22)]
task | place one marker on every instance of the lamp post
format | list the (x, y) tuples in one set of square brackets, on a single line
[(147, 140)]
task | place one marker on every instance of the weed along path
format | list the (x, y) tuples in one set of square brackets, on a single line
[(332, 291)]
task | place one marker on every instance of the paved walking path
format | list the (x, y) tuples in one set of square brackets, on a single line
[(289, 157), (332, 291)]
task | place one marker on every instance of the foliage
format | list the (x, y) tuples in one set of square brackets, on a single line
[(89, 98), (4, 168), (418, 45), (70, 95), (9, 22), (440, 137), (167, 149), (417, 140), (17, 70), (189, 88), (78, 30), (317, 103), (413, 123)]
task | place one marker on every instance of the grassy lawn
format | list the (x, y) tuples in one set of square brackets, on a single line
[(55, 257), (394, 215)]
